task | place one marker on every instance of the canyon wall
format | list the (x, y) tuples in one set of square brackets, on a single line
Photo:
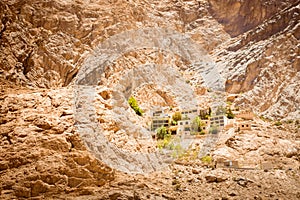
[(44, 45)]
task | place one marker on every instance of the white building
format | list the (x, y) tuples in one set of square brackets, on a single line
[(189, 114), (184, 127), (219, 121)]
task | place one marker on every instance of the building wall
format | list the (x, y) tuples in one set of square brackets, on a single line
[(159, 122), (219, 120), (184, 127), (190, 114), (244, 126)]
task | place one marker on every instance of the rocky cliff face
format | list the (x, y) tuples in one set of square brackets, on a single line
[(44, 44), (239, 17), (40, 151), (263, 63)]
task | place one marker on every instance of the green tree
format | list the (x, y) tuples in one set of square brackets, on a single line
[(177, 116), (205, 114), (197, 125), (229, 114), (134, 105), (161, 133), (214, 129), (206, 159)]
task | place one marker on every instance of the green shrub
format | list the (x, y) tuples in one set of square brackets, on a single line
[(164, 143), (202, 133), (197, 126), (205, 114), (209, 111), (229, 114), (161, 133), (178, 151), (214, 129), (134, 105), (174, 122), (171, 143), (177, 116), (278, 123), (206, 159), (265, 119), (229, 103)]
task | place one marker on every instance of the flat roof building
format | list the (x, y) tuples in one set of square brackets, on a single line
[(160, 122), (219, 121), (244, 125), (184, 127)]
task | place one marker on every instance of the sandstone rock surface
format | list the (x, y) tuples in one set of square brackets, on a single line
[(44, 45)]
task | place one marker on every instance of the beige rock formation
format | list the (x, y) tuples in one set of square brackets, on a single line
[(45, 44), (40, 151)]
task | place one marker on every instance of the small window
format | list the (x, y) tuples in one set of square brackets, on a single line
[(243, 125), (186, 123)]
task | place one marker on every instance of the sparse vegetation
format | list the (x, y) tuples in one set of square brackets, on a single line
[(278, 123), (209, 111), (134, 105), (174, 122), (178, 151), (202, 133), (265, 119), (290, 121), (171, 143), (162, 133), (176, 184), (190, 154), (229, 114), (176, 117), (205, 114), (163, 143), (214, 129), (206, 159), (196, 126)]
